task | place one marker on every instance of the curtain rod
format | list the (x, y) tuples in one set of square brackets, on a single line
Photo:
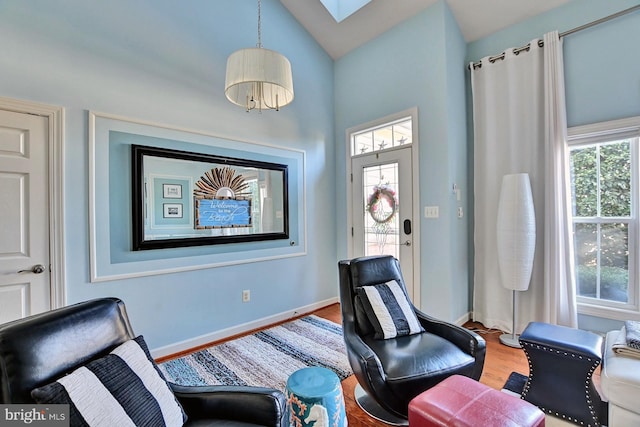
[(561, 35)]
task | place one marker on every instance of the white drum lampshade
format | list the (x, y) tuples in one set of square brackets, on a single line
[(259, 78), (516, 239)]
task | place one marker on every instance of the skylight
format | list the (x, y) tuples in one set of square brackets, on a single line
[(342, 9)]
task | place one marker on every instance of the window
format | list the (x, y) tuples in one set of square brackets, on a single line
[(601, 193), (604, 195), (382, 137)]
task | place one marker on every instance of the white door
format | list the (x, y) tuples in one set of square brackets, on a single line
[(383, 208), (25, 286)]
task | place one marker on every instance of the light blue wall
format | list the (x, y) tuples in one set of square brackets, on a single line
[(164, 61), (458, 172), (601, 63), (602, 69), (409, 66)]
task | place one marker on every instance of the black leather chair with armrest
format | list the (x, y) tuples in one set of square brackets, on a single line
[(42, 348), (393, 371)]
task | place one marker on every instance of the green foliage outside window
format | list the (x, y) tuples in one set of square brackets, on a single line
[(613, 282), (601, 187)]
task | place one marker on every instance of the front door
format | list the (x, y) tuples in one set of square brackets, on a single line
[(25, 286), (383, 207)]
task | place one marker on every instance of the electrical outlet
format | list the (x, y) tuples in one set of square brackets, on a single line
[(246, 295)]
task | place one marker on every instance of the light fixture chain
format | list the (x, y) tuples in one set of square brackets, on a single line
[(259, 24)]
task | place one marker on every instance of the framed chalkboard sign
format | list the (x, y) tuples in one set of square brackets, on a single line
[(185, 198)]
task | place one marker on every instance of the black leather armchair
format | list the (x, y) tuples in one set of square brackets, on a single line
[(393, 371), (40, 349)]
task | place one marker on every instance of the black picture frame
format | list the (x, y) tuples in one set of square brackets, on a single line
[(141, 209)]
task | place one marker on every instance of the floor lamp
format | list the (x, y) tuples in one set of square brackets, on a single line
[(516, 238)]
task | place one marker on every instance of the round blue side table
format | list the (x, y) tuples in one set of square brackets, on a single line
[(314, 398)]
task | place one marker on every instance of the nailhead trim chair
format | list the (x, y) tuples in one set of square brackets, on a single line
[(561, 365)]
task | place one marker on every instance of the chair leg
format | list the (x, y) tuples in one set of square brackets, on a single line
[(374, 410)]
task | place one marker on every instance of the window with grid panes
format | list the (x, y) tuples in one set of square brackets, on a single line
[(604, 197)]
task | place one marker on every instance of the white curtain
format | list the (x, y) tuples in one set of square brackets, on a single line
[(520, 127), (559, 280)]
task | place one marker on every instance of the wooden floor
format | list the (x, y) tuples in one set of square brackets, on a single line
[(500, 361)]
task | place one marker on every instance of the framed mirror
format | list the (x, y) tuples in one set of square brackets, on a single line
[(184, 198)]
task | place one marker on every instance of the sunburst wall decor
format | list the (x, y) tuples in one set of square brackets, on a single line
[(220, 183), (220, 201)]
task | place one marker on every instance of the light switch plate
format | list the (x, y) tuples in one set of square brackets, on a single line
[(431, 211)]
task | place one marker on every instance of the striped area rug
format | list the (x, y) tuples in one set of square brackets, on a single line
[(265, 358)]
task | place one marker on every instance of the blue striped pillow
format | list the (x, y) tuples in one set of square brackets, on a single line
[(389, 310), (123, 388)]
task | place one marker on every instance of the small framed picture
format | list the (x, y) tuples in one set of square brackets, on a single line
[(172, 210), (172, 191)]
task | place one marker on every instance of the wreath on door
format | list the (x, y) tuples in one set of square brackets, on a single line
[(382, 204)]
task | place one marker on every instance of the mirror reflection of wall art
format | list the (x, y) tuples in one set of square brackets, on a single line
[(172, 191), (203, 199), (172, 210)]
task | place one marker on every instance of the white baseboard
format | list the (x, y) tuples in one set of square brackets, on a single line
[(463, 319), (201, 340)]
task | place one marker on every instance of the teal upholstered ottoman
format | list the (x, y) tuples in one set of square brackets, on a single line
[(314, 399)]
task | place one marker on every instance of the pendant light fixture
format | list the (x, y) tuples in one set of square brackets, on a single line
[(259, 78)]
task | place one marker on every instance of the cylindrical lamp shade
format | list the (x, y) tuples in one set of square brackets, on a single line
[(258, 78), (516, 232)]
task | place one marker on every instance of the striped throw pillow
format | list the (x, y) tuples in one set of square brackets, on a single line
[(389, 310), (123, 388)]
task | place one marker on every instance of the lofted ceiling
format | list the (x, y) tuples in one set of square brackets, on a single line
[(476, 18)]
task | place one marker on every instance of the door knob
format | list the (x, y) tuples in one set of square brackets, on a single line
[(36, 269)]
